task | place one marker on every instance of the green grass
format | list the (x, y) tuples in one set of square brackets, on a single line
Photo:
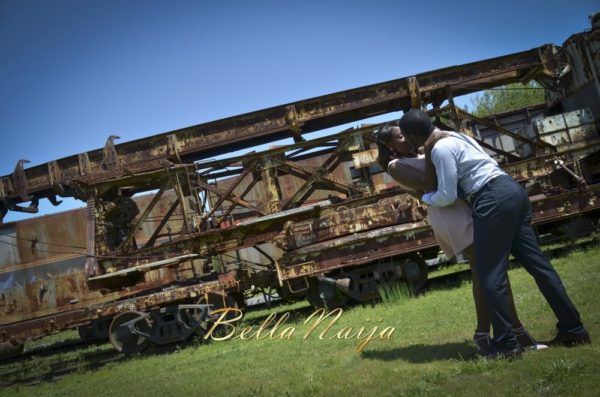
[(429, 354), (394, 293)]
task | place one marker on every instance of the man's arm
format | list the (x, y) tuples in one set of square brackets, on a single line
[(447, 176)]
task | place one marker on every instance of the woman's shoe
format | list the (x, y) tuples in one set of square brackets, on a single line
[(483, 342), (506, 353), (526, 340)]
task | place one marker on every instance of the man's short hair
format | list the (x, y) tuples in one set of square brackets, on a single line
[(416, 123)]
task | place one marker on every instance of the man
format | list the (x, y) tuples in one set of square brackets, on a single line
[(452, 227), (501, 225)]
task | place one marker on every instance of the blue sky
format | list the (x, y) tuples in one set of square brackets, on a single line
[(74, 72)]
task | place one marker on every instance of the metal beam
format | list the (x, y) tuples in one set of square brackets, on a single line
[(267, 125)]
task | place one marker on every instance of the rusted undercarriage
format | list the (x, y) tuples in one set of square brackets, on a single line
[(308, 219)]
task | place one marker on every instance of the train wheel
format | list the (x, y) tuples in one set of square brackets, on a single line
[(219, 301), (325, 295), (86, 332), (193, 319), (8, 350), (414, 270), (125, 341)]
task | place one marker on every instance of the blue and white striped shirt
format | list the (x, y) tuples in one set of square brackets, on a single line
[(459, 161)]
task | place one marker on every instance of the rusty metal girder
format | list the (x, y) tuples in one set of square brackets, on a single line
[(246, 234), (221, 136), (556, 207), (229, 196), (209, 236), (255, 180), (356, 250), (343, 221), (217, 238), (442, 125), (543, 165), (326, 255), (322, 238), (540, 144), (127, 242), (313, 177), (34, 328), (162, 224), (226, 195), (327, 167)]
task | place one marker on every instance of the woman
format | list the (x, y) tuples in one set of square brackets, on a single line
[(452, 227)]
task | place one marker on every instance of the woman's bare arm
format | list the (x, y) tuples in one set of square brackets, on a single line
[(409, 173)]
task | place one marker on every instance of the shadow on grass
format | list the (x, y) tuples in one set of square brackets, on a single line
[(296, 314), (456, 279), (448, 281), (569, 247), (425, 353)]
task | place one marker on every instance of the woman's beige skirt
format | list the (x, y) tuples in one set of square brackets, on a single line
[(452, 227)]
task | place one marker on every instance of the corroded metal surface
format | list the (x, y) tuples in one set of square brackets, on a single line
[(266, 218), (193, 143), (343, 221), (42, 266), (568, 128), (32, 328), (356, 250), (351, 250)]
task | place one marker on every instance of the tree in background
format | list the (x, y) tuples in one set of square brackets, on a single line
[(508, 97)]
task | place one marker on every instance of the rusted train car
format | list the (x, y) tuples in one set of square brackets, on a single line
[(313, 218)]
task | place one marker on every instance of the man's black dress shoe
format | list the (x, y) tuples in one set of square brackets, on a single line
[(570, 340)]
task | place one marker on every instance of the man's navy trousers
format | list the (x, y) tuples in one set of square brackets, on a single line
[(502, 225)]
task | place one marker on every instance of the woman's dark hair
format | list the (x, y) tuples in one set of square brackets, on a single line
[(384, 134)]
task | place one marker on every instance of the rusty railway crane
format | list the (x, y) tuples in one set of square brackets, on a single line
[(315, 218)]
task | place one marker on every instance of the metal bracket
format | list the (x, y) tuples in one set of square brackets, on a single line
[(291, 116), (2, 192), (453, 111), (110, 159), (20, 188), (53, 173), (91, 263), (172, 148), (32, 208), (295, 291), (3, 212), (84, 163), (3, 202), (581, 182), (55, 179), (20, 181), (414, 91), (52, 198)]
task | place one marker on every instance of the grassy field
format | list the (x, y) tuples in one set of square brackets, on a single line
[(429, 353)]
